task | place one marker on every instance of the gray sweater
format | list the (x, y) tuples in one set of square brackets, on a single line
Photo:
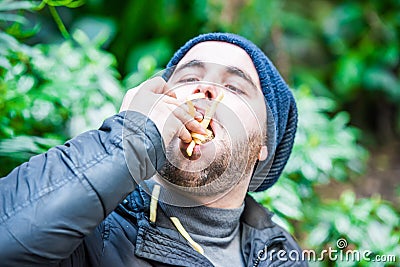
[(216, 230)]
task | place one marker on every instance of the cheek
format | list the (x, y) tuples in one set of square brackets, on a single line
[(244, 116)]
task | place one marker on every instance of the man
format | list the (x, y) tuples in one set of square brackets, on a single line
[(78, 204)]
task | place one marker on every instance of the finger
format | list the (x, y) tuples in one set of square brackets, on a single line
[(128, 99), (184, 135), (190, 123), (170, 100), (175, 101), (198, 116), (195, 126), (171, 93), (181, 103), (167, 91)]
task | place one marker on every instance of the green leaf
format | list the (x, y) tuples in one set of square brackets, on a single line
[(378, 78), (379, 235), (81, 37), (387, 215), (67, 3), (348, 76), (318, 235), (25, 83), (347, 199), (18, 5), (25, 146), (5, 63), (13, 18), (99, 30), (283, 223), (159, 50)]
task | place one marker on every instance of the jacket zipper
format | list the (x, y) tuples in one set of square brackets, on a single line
[(273, 241)]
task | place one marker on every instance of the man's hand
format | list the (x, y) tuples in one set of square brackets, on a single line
[(153, 99)]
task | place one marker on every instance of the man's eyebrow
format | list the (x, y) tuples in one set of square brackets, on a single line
[(238, 72), (191, 64), (230, 69)]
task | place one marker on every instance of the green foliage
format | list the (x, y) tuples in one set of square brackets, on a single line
[(326, 149), (50, 92), (12, 20), (368, 50), (366, 224), (155, 27)]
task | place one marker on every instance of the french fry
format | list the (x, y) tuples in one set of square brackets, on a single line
[(199, 138), (153, 203), (210, 112), (189, 149), (199, 142), (189, 102), (192, 112), (186, 235)]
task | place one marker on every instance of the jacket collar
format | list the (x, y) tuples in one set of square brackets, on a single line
[(160, 242), (254, 214)]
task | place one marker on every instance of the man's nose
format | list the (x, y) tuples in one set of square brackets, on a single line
[(210, 91)]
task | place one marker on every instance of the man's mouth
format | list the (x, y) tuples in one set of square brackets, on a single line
[(212, 132), (210, 128), (206, 123), (197, 149), (183, 148)]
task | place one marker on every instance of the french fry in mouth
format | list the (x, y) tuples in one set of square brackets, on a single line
[(199, 138), (189, 149), (210, 112), (189, 102)]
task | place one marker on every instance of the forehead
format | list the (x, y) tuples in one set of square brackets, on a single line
[(222, 53)]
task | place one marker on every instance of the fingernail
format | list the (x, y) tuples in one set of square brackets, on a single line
[(198, 115), (198, 118)]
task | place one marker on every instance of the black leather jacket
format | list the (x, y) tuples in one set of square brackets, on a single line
[(76, 205)]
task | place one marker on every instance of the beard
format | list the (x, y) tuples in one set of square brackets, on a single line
[(218, 171)]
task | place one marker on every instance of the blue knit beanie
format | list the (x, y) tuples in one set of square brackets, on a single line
[(281, 128)]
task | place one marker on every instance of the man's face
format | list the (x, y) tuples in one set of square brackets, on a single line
[(238, 125)]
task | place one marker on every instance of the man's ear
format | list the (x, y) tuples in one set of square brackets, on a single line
[(263, 153)]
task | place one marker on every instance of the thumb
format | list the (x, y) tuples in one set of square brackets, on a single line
[(155, 85), (158, 85)]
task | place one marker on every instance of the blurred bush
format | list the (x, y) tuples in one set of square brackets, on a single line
[(49, 92), (346, 50), (327, 149)]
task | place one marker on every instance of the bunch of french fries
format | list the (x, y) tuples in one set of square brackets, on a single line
[(199, 138)]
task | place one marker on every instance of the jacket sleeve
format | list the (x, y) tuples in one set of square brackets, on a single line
[(50, 203)]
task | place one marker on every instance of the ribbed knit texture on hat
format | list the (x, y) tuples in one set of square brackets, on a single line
[(276, 92)]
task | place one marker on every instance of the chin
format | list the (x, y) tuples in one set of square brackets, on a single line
[(215, 167)]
